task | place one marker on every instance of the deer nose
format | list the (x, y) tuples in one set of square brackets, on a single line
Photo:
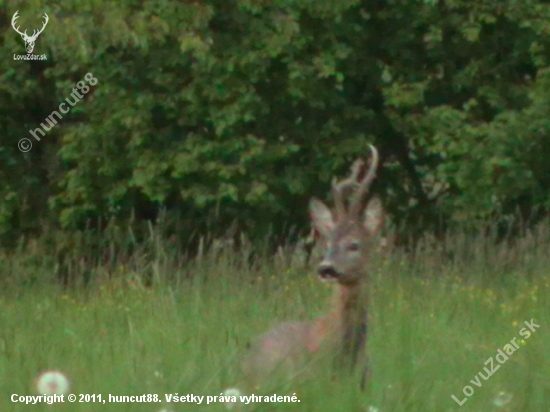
[(327, 271)]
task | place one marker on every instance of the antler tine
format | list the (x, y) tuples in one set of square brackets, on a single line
[(364, 185), (37, 32), (46, 20), (338, 188), (14, 22)]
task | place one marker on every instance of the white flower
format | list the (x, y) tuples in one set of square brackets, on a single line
[(52, 383), (232, 392), (502, 398)]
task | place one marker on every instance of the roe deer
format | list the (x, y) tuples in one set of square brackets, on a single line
[(347, 234)]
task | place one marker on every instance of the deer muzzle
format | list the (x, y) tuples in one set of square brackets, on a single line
[(328, 272)]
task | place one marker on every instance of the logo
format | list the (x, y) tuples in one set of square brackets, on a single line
[(29, 40)]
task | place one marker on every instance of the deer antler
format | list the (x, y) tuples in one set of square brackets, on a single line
[(364, 185), (14, 18), (46, 20), (359, 187), (338, 188), (29, 40)]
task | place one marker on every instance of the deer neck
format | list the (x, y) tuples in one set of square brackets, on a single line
[(351, 310), (350, 306), (345, 324)]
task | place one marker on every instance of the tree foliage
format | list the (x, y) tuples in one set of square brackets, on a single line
[(243, 109)]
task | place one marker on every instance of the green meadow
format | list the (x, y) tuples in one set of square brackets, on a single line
[(153, 322)]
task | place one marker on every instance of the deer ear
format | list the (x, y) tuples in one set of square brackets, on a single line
[(374, 216), (321, 217)]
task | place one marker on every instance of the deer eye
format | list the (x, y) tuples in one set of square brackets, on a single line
[(353, 247)]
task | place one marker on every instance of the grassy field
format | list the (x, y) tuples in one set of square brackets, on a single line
[(434, 322)]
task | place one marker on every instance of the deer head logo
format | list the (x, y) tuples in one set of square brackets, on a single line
[(29, 40)]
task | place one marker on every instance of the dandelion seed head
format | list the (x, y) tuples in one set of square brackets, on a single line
[(231, 392), (502, 399), (52, 383)]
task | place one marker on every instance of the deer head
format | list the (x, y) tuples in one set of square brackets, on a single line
[(347, 231), (29, 40)]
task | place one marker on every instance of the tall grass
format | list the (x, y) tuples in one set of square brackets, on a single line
[(141, 318)]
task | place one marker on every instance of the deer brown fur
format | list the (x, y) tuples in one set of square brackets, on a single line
[(347, 233)]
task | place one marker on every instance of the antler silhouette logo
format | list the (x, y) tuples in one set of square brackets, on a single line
[(29, 40)]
